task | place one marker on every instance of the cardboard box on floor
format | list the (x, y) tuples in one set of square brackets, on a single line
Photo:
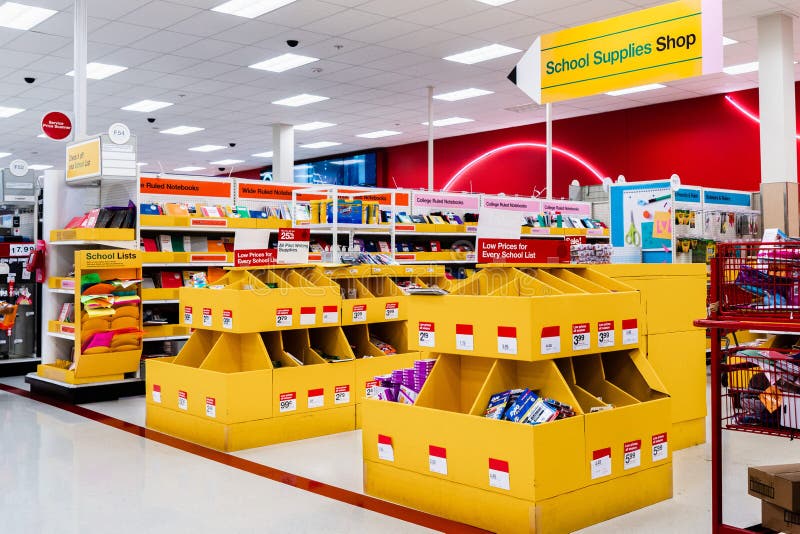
[(779, 519), (776, 484)]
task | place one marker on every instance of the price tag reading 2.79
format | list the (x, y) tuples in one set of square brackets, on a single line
[(427, 335), (283, 317)]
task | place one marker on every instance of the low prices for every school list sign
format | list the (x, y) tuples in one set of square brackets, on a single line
[(523, 251), (293, 245)]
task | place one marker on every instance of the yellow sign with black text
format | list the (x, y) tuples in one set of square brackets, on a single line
[(108, 259), (83, 160), (660, 44)]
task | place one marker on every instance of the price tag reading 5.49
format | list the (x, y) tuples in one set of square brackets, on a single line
[(427, 335)]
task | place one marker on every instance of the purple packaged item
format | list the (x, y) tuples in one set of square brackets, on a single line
[(408, 377), (385, 394)]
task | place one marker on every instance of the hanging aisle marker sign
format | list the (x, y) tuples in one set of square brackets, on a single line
[(664, 43), (56, 125), (83, 160)]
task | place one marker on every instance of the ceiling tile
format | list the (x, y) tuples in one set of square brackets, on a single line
[(159, 14), (206, 49), (120, 33)]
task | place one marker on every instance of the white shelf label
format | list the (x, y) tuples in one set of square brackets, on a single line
[(308, 316), (207, 317), (341, 395), (211, 407), (288, 402), (551, 340), (437, 460), (427, 335), (283, 317), (330, 314), (605, 334), (601, 463), (630, 332), (385, 449), (465, 340), (188, 318), (392, 311), (17, 251), (157, 393), (498, 474), (506, 340), (371, 387), (660, 447), (581, 337), (633, 454), (359, 313), (227, 319), (183, 400), (316, 398)]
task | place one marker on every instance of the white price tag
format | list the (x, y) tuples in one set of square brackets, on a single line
[(341, 395), (187, 315), (506, 340), (660, 447), (498, 474), (465, 340), (427, 335), (283, 317), (580, 337), (359, 313), (392, 311), (633, 454), (371, 388), (288, 402), (385, 449), (20, 250), (551, 340), (601, 463), (207, 317), (630, 332), (605, 334), (437, 460), (316, 398), (308, 316), (157, 393), (227, 319), (330, 314), (211, 407), (183, 400)]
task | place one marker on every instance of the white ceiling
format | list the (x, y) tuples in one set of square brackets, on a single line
[(377, 58)]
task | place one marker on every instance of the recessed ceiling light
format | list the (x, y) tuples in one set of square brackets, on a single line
[(250, 8), (379, 133), (728, 41), (182, 130), (450, 121), (321, 144), (39, 167), (227, 162), (300, 100), (145, 106), (493, 51), (463, 94), (189, 169), (637, 89), (6, 112), (4, 154), (263, 155), (42, 136), (206, 148), (495, 2), (742, 68), (142, 164), (311, 126), (100, 71), (347, 162), (22, 17), (284, 63)]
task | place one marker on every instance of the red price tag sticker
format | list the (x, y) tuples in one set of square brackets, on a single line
[(465, 340), (330, 314), (605, 334), (392, 311), (371, 387), (385, 448), (437, 459), (211, 407), (427, 335), (341, 395), (630, 332), (157, 393), (183, 400), (633, 454), (227, 319), (498, 474), (660, 447), (283, 317), (308, 316), (316, 398), (551, 340), (506, 340), (207, 317), (581, 337), (187, 315), (288, 402), (601, 463), (359, 313)]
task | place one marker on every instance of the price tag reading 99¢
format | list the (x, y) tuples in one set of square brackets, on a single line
[(188, 318), (288, 402), (427, 335)]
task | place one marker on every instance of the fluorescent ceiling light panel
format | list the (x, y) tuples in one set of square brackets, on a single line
[(449, 121), (22, 17), (347, 162), (379, 133), (206, 148), (4, 154), (227, 162), (6, 112), (300, 100), (42, 136), (495, 2), (284, 63), (189, 169), (493, 51), (637, 89), (142, 164), (321, 144), (463, 94), (250, 9), (100, 71), (145, 106), (742, 68), (39, 167), (728, 41), (311, 126), (182, 130), (263, 154)]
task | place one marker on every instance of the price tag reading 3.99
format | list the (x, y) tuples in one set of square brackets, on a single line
[(605, 334), (580, 337)]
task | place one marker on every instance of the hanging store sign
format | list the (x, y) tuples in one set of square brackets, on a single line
[(56, 125), (660, 44), (83, 160)]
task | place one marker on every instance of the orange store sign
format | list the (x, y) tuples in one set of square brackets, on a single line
[(189, 188)]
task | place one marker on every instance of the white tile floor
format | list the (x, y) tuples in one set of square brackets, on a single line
[(63, 473)]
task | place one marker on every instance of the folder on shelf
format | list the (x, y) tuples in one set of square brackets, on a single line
[(187, 243), (91, 219), (215, 245), (198, 243), (177, 243), (165, 243), (188, 277), (243, 212), (170, 279), (149, 244), (259, 214), (176, 210), (150, 209), (210, 211), (214, 274)]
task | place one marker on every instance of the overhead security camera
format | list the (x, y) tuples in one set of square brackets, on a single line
[(151, 120), (231, 145), (29, 79), (220, 169), (292, 42)]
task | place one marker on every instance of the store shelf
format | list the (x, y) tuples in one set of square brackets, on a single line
[(187, 259), (166, 338), (168, 223), (81, 236), (159, 295), (101, 243), (63, 291), (61, 330), (154, 302)]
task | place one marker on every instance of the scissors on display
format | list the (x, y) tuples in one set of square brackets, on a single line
[(633, 237)]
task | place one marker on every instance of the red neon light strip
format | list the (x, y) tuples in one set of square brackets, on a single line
[(745, 112)]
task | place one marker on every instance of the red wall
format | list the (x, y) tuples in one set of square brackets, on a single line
[(706, 141)]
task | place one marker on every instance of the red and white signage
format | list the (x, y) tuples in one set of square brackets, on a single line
[(316, 398), (308, 316), (660, 447), (359, 313), (385, 448), (330, 314), (601, 463), (283, 317), (427, 335), (207, 317), (341, 395), (551, 340), (465, 340), (581, 337), (157, 393), (211, 407), (523, 251), (214, 223), (507, 339), (437, 459), (392, 311), (441, 201), (293, 245), (564, 207), (227, 319), (633, 454), (188, 318), (525, 205), (498, 474), (255, 257), (630, 332), (605, 334), (56, 125), (183, 400), (371, 387), (288, 402)]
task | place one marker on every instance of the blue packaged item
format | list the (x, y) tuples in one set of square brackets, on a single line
[(497, 405), (522, 407), (150, 209), (350, 212)]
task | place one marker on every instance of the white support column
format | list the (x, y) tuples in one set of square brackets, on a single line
[(80, 54), (430, 138), (283, 152), (778, 130)]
